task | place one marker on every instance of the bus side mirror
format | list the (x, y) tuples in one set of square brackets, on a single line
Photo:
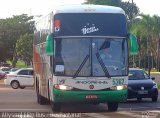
[(50, 45), (133, 44)]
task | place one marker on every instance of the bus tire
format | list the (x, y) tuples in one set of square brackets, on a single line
[(112, 106), (41, 99), (55, 106), (37, 91)]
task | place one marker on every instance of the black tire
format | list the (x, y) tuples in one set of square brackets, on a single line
[(112, 106), (139, 99), (55, 106), (22, 87), (154, 99), (15, 84), (37, 91), (41, 99)]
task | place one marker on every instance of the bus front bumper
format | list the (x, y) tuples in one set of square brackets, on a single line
[(82, 96)]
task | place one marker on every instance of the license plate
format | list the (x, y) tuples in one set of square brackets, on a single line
[(142, 92), (91, 96)]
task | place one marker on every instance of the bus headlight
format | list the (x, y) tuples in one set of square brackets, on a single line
[(120, 87), (62, 87)]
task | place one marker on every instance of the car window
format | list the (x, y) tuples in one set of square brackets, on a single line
[(24, 72), (137, 74), (5, 69), (14, 69), (30, 72)]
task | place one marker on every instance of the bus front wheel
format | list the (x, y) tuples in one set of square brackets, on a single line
[(41, 100), (112, 106), (55, 106)]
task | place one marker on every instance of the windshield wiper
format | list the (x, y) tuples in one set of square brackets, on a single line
[(81, 66), (102, 65)]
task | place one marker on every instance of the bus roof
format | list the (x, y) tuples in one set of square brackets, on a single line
[(89, 9)]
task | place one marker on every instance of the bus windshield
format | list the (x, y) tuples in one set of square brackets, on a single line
[(91, 57)]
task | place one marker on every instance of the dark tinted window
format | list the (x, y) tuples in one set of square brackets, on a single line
[(24, 72), (31, 72), (137, 74)]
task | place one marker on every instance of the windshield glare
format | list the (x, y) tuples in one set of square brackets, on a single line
[(91, 57), (137, 75)]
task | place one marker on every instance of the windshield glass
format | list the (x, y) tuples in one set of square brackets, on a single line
[(91, 57), (138, 75)]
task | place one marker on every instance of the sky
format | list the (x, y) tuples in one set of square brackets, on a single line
[(8, 8)]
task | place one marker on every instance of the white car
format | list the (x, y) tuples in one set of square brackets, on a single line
[(5, 69), (20, 78), (13, 70)]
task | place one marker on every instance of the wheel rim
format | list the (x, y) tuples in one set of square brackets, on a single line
[(14, 84)]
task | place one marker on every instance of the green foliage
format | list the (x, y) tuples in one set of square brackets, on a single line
[(130, 9), (147, 30), (11, 29), (158, 85), (24, 47), (21, 64), (104, 2)]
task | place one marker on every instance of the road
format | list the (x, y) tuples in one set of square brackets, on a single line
[(21, 103)]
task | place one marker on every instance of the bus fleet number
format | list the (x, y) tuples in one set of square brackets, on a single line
[(118, 82)]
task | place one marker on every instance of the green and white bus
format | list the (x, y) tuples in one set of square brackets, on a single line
[(81, 56)]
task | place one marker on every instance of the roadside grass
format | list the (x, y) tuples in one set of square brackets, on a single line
[(19, 64), (155, 73), (158, 84)]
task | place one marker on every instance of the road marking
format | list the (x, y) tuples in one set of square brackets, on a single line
[(155, 111), (96, 115), (137, 108), (128, 114)]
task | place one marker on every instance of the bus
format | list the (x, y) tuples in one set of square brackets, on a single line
[(80, 55)]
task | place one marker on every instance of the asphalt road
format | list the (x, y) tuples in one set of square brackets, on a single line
[(157, 77), (21, 103)]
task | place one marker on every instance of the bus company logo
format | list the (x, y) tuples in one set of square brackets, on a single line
[(61, 81), (91, 86), (57, 25), (89, 29)]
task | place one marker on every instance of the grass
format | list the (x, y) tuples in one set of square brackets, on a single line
[(19, 64), (158, 84)]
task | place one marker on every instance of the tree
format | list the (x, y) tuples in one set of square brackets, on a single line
[(10, 31), (130, 8), (104, 2), (147, 30), (24, 48)]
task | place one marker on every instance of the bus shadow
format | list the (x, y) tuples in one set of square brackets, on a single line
[(84, 108)]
